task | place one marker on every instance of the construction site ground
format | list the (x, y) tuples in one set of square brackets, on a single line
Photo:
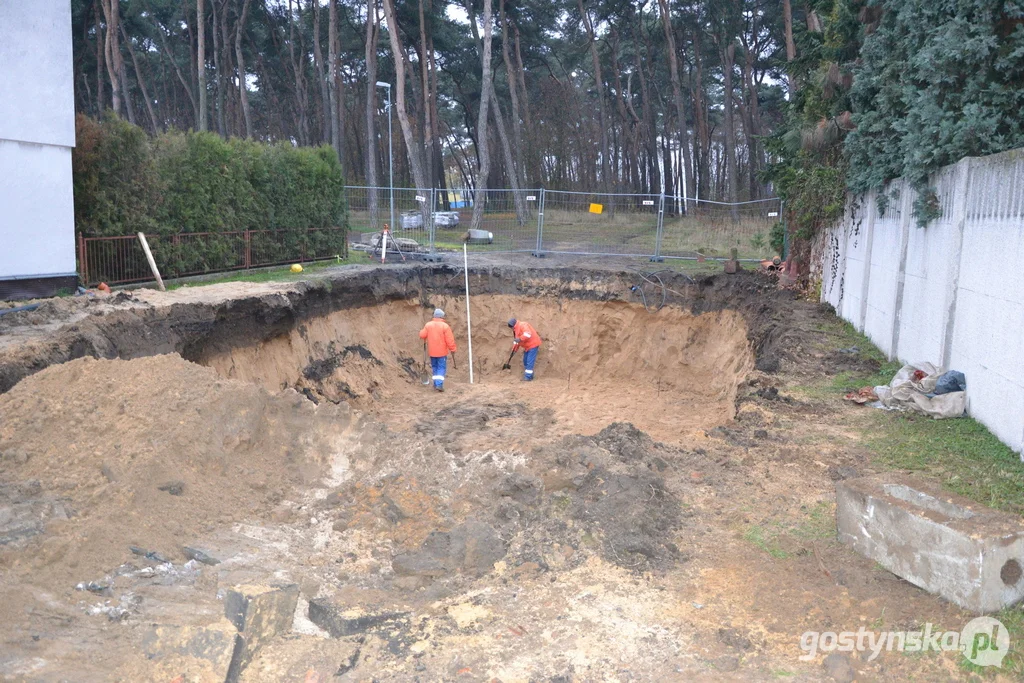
[(658, 505)]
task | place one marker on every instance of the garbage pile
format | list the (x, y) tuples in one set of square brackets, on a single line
[(921, 388)]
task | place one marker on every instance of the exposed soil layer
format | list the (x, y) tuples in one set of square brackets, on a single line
[(205, 321)]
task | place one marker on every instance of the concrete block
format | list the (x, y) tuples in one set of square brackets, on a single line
[(946, 544), (259, 612), (209, 648), (352, 611)]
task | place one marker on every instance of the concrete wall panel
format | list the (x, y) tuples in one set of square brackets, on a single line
[(962, 296), (37, 224), (36, 79)]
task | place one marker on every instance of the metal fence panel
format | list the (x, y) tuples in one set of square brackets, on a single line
[(600, 223), (509, 219), (712, 229), (369, 208)]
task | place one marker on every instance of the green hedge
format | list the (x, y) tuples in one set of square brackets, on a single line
[(179, 183)]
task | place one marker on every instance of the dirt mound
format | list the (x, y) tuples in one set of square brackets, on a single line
[(150, 453)]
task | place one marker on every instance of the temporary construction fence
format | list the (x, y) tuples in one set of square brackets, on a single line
[(120, 259), (563, 222), (528, 221)]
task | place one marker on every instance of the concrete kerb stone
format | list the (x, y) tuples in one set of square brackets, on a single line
[(946, 544)]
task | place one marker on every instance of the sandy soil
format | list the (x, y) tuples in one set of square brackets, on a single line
[(696, 545), (668, 372)]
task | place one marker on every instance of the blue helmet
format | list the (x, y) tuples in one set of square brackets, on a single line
[(512, 322)]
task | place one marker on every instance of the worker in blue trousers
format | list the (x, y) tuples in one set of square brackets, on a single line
[(440, 342), (526, 338)]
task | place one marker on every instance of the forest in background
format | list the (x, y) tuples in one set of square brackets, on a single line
[(726, 100)]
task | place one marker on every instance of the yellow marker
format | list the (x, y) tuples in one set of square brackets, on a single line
[(296, 268), (596, 208)]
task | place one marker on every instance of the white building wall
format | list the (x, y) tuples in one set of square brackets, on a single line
[(37, 132), (951, 293)]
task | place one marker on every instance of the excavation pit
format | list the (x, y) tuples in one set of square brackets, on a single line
[(666, 371), (287, 434)]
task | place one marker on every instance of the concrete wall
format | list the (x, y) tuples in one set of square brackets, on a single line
[(37, 132), (951, 293)]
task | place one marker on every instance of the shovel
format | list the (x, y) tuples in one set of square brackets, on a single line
[(426, 372), (508, 363)]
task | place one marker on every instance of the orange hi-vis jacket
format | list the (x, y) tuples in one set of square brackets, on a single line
[(440, 339), (527, 336)]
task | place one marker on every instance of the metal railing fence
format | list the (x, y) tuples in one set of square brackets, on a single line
[(120, 259)]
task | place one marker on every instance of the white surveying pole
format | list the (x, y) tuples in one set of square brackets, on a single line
[(469, 324)]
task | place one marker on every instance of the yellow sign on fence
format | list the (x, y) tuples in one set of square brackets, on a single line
[(596, 208)]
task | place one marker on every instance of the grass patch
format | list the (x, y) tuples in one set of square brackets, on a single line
[(1013, 664), (281, 274), (962, 453), (767, 539), (816, 523)]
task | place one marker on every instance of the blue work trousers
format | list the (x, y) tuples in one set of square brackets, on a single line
[(529, 359), (439, 366)]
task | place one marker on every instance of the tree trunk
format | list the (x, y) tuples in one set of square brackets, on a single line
[(728, 58), (436, 133), (219, 73), (298, 71), (243, 88), (177, 70), (487, 85), (332, 73), (100, 60), (533, 164), (599, 82), (372, 29), (654, 174), (427, 97), (142, 82), (397, 51), (318, 64), (703, 128), (201, 61), (787, 20), (677, 93), (753, 125), (112, 52), (513, 91)]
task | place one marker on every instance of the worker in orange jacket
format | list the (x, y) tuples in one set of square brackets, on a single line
[(525, 337), (440, 341)]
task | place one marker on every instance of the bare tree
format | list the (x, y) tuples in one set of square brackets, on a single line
[(486, 86)]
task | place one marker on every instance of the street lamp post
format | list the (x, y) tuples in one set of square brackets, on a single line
[(391, 154)]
